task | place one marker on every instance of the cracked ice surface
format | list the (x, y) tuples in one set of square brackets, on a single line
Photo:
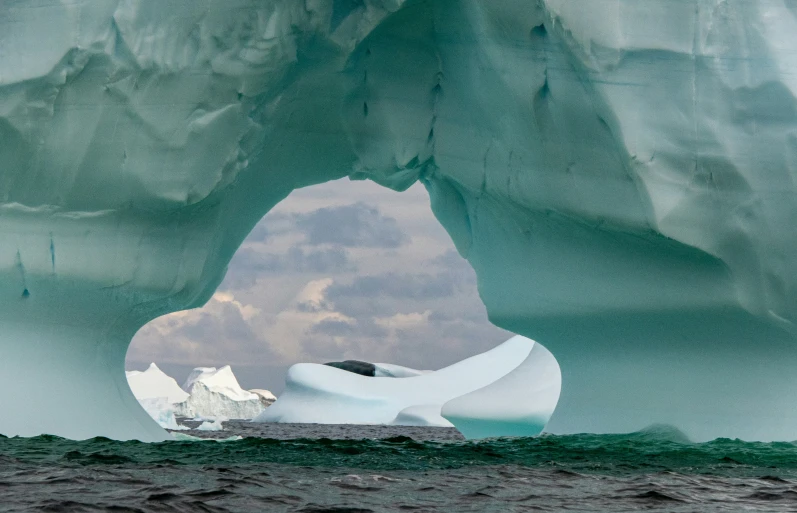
[(620, 174)]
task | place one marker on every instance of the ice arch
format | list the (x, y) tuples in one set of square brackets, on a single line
[(620, 174)]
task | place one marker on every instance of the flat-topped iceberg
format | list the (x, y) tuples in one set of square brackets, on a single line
[(518, 384)]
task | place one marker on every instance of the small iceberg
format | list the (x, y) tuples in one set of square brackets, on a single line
[(210, 425)]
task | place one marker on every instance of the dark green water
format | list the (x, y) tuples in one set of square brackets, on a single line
[(358, 468)]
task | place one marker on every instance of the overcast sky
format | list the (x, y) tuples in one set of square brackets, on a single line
[(342, 270)]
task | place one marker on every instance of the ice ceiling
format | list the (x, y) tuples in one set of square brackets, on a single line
[(620, 174)]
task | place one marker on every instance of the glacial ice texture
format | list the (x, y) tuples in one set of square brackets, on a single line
[(620, 174)]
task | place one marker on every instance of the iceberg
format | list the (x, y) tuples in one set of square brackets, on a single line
[(517, 384), (207, 393), (517, 404), (266, 397), (427, 415), (388, 370), (153, 383), (215, 393), (211, 425), (157, 393), (162, 412), (619, 173)]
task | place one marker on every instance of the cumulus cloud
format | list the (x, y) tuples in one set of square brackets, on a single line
[(224, 328)]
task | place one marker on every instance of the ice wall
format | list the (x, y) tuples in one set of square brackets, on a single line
[(621, 175)]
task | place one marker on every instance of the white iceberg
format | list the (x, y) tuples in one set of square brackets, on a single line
[(428, 415), (207, 393), (154, 383), (517, 404), (266, 397), (157, 393), (328, 395), (389, 370), (211, 425), (215, 393)]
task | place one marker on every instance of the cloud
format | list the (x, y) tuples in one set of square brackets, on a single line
[(334, 327), (223, 330), (296, 259), (249, 264), (260, 233), (397, 285), (405, 321), (356, 225)]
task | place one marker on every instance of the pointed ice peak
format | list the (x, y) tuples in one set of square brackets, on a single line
[(154, 383), (218, 380), (196, 375)]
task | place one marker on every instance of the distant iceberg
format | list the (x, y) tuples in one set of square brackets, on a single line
[(208, 393), (154, 383), (162, 412), (390, 394), (157, 393), (266, 397), (210, 425), (215, 393)]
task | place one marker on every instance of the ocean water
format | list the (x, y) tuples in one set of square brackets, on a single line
[(310, 468)]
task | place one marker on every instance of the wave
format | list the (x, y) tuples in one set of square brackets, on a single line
[(655, 449)]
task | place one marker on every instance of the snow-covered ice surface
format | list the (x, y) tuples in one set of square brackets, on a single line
[(207, 393), (216, 393), (154, 383), (157, 393), (620, 174), (328, 395)]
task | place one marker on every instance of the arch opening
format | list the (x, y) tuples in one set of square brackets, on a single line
[(336, 271)]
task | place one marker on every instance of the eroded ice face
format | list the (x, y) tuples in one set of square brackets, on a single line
[(609, 164), (666, 122)]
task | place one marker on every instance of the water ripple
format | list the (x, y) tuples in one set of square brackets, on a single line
[(310, 468)]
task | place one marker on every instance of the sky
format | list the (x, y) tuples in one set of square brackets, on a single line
[(342, 270)]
